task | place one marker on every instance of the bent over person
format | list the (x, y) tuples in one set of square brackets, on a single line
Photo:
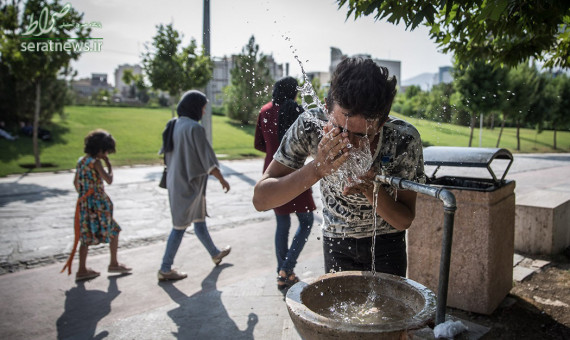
[(350, 144)]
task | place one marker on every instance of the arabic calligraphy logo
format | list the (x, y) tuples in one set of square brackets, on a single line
[(46, 23)]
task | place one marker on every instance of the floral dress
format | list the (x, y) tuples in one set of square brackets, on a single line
[(96, 223)]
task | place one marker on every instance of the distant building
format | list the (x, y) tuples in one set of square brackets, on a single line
[(120, 85), (86, 87), (444, 75), (220, 78), (427, 80), (221, 75), (393, 66)]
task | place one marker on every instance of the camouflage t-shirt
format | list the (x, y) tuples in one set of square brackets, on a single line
[(353, 216)]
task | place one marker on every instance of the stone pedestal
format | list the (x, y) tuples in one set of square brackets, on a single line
[(542, 222), (481, 270)]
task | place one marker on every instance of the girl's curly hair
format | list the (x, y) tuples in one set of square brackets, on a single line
[(99, 141)]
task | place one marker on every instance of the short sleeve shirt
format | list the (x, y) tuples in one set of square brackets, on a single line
[(353, 216)]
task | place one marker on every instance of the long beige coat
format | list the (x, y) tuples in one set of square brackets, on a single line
[(189, 164)]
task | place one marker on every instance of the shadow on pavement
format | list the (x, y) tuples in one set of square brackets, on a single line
[(28, 193), (229, 172), (203, 315), (84, 309)]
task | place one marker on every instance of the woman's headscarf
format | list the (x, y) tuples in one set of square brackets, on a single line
[(284, 93), (191, 105)]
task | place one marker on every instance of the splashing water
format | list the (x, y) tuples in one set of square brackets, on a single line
[(371, 308)]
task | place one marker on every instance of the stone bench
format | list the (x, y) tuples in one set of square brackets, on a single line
[(542, 222)]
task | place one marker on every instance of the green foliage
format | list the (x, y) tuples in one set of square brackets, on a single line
[(439, 107), (559, 116), (250, 86), (28, 72), (174, 69), (138, 88), (480, 86), (218, 110), (498, 31), (412, 102), (412, 91)]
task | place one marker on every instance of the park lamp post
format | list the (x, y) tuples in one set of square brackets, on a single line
[(207, 118)]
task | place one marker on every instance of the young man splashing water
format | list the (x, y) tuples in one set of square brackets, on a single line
[(350, 145)]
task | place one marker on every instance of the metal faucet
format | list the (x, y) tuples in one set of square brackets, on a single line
[(449, 207)]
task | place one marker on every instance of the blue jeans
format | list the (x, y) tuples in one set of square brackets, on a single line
[(287, 256), (175, 239)]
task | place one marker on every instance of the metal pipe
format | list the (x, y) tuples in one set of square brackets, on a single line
[(449, 207)]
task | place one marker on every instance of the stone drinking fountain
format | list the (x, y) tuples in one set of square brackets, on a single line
[(366, 305)]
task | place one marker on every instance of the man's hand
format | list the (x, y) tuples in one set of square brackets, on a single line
[(332, 152), (365, 185)]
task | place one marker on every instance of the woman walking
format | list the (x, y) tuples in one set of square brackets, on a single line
[(273, 121), (190, 159)]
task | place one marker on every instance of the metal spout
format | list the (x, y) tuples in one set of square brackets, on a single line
[(449, 207)]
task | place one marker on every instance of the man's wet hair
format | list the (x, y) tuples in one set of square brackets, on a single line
[(363, 88)]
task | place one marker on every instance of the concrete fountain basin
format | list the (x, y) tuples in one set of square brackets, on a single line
[(359, 305)]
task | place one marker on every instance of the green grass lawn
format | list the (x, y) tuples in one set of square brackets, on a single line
[(441, 134), (138, 134)]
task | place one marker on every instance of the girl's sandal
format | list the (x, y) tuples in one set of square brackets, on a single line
[(90, 274)]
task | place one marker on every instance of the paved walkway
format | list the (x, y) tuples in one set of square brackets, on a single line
[(236, 300)]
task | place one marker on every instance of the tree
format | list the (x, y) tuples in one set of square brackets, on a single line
[(505, 32), (480, 87), (250, 85), (40, 25), (439, 107), (174, 69), (129, 79), (560, 115), (522, 86), (137, 87)]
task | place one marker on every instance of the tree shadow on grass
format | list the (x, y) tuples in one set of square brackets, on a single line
[(23, 146), (203, 315)]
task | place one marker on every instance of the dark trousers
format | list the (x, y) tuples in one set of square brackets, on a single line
[(343, 254)]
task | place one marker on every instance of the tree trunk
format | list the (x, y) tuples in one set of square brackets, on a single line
[(554, 137), (500, 132), (472, 126), (492, 121), (518, 135), (481, 130), (36, 126)]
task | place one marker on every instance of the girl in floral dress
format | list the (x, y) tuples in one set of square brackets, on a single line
[(94, 221)]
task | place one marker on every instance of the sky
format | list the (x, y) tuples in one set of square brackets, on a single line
[(282, 28)]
